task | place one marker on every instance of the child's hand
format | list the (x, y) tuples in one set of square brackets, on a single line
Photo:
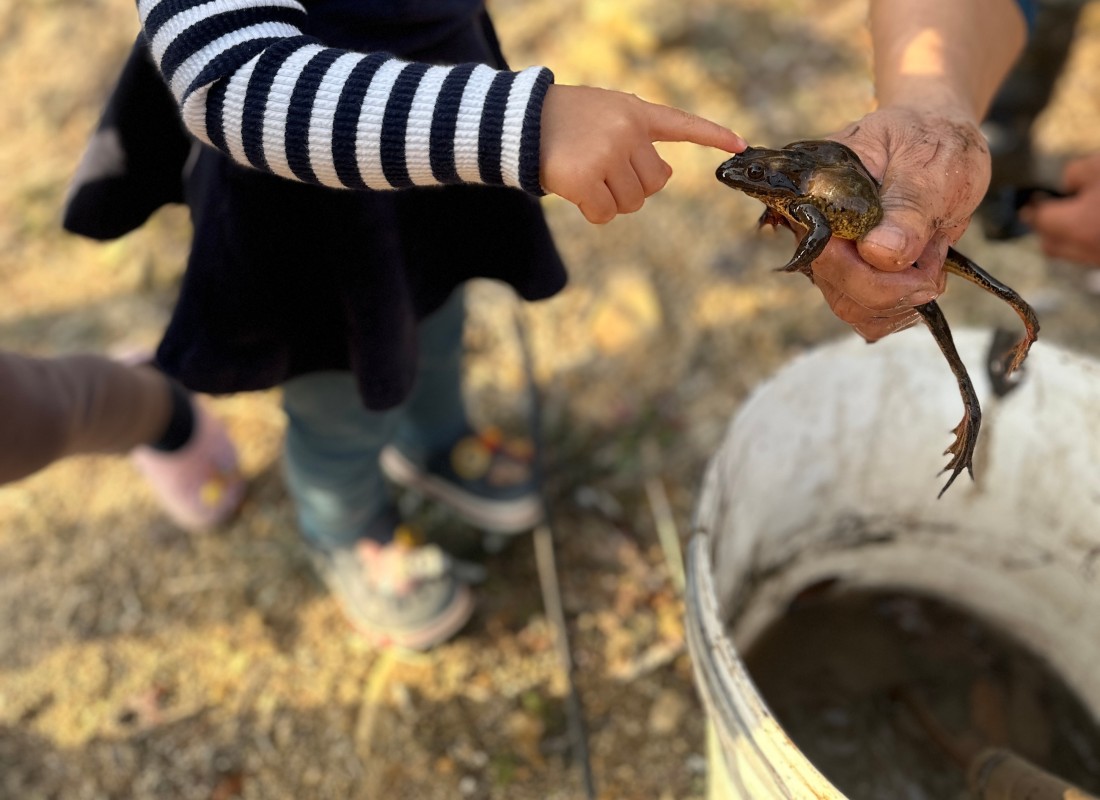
[(598, 153)]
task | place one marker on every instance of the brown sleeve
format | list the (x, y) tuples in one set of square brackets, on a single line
[(55, 407)]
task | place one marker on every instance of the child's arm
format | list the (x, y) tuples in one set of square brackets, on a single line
[(250, 84)]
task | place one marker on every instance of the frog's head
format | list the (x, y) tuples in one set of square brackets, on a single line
[(763, 173)]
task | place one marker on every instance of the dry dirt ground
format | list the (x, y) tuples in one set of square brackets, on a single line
[(136, 661)]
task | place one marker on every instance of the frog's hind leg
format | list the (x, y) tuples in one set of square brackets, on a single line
[(966, 432), (958, 264)]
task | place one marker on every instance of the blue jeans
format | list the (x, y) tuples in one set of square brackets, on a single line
[(333, 441)]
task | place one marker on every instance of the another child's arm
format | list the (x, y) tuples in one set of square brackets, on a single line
[(251, 84)]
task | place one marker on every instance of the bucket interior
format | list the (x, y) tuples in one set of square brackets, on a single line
[(830, 473)]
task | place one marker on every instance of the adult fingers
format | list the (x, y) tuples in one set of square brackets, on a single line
[(880, 328), (1069, 251), (1065, 228), (1054, 219), (869, 323), (1081, 172), (877, 290)]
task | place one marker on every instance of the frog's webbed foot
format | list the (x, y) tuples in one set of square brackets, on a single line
[(1011, 360), (966, 432), (962, 449), (817, 236)]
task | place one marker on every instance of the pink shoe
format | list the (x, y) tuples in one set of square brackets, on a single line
[(200, 485)]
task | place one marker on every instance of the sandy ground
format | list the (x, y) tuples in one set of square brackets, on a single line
[(137, 661)]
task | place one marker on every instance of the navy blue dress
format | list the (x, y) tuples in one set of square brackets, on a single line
[(286, 278)]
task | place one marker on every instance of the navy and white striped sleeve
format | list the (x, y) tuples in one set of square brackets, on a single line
[(1030, 9), (249, 83)]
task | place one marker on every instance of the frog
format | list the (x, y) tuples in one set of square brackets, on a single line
[(821, 188)]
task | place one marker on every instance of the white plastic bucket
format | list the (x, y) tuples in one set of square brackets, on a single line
[(830, 470)]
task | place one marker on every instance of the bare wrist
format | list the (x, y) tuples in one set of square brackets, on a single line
[(930, 96)]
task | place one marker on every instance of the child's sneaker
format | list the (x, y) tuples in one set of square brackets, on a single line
[(399, 594), (486, 480), (200, 485)]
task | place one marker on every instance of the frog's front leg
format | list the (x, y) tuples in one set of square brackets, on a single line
[(966, 432), (817, 236)]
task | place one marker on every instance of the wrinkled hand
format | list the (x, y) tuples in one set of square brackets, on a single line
[(934, 169), (597, 147), (1067, 228)]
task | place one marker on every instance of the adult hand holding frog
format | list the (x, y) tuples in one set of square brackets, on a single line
[(937, 64)]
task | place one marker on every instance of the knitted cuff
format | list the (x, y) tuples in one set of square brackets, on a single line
[(531, 137)]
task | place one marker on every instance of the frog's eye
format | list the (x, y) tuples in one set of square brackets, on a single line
[(755, 172)]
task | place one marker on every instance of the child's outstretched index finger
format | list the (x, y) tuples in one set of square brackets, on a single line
[(597, 147), (667, 124)]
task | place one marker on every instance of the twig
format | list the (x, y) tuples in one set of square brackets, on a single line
[(666, 531), (377, 680), (650, 660), (545, 562)]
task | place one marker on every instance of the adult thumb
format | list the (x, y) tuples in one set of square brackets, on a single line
[(900, 238)]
